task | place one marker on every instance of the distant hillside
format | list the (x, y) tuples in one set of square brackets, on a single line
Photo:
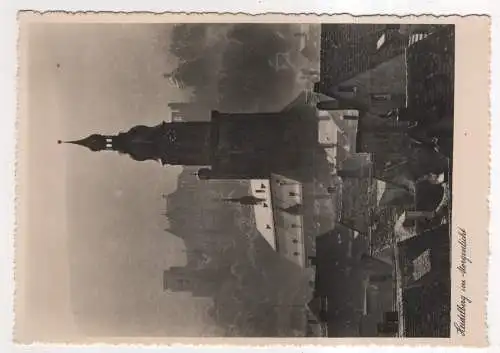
[(262, 285), (229, 66)]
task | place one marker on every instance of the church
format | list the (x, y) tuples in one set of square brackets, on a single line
[(228, 146)]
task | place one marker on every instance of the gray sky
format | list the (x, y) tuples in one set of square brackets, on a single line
[(94, 245)]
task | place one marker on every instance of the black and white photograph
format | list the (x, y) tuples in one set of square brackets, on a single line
[(238, 180)]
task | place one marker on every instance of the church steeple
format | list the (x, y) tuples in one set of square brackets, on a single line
[(168, 143), (94, 142)]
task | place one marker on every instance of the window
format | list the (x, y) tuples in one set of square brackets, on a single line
[(177, 117), (182, 283)]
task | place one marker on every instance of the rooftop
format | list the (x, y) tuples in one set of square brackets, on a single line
[(349, 50)]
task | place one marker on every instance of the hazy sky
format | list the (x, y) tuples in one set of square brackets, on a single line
[(95, 245)]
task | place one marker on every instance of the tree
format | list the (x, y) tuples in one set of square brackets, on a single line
[(248, 78), (188, 41), (195, 73)]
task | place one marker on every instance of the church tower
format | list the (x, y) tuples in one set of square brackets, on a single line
[(227, 146), (175, 143)]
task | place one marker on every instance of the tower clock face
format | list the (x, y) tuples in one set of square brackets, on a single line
[(171, 135)]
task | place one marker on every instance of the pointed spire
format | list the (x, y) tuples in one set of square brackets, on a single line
[(93, 142)]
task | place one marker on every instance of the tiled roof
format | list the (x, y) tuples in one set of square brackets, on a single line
[(350, 50), (430, 67), (427, 312), (426, 301)]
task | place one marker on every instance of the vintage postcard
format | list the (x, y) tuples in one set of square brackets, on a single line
[(232, 179)]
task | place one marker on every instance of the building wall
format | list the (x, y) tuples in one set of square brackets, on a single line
[(291, 245), (388, 78), (357, 203), (429, 87), (356, 165), (189, 111), (187, 143), (431, 72), (437, 241), (252, 146)]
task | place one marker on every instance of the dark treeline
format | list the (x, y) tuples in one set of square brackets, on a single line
[(231, 67), (188, 41)]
